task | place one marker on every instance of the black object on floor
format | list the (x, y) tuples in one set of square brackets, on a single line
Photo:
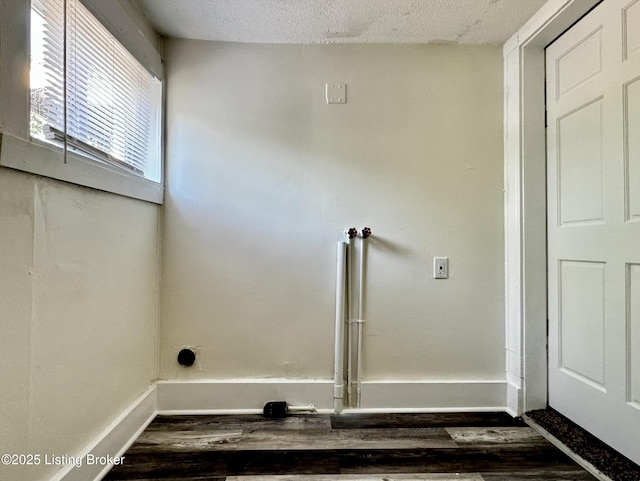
[(276, 409), (588, 447)]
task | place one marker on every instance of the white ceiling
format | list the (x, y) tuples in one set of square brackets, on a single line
[(340, 21)]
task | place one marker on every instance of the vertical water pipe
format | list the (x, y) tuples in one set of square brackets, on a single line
[(359, 321), (338, 371), (352, 233), (349, 328), (366, 232)]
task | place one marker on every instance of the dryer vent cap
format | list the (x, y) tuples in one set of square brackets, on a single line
[(186, 357)]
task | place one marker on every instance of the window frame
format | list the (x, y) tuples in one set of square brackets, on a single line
[(19, 151)]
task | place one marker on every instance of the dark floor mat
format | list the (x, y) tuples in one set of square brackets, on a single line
[(588, 447)]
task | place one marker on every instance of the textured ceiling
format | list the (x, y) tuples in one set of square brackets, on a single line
[(341, 21)]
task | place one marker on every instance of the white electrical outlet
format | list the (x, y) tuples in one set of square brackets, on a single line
[(440, 267)]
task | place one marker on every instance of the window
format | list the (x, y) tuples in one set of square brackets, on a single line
[(110, 109)]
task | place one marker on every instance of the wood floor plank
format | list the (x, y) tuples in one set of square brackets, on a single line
[(200, 440), (503, 459), (553, 476), (418, 420), (198, 478), (158, 442), (359, 477), (516, 459), (224, 463), (496, 436), (230, 422)]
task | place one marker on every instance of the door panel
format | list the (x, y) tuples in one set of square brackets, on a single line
[(593, 223), (631, 28), (579, 63), (632, 148), (581, 321), (580, 164), (633, 322)]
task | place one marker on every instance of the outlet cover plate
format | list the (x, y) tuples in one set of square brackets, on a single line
[(440, 267)]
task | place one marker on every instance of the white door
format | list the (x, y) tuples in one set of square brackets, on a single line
[(593, 195)]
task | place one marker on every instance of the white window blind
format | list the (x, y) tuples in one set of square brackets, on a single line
[(112, 102)]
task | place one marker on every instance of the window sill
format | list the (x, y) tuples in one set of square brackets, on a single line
[(41, 159)]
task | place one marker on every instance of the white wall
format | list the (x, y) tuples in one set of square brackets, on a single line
[(263, 175), (78, 283), (78, 291)]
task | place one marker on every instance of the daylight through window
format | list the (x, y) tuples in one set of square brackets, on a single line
[(113, 102)]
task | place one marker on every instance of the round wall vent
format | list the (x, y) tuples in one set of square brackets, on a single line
[(186, 357)]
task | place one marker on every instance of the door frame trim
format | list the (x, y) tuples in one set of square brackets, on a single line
[(525, 202)]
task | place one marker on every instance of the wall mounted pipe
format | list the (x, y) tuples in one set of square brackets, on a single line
[(352, 234), (338, 372), (366, 232), (350, 368), (359, 323)]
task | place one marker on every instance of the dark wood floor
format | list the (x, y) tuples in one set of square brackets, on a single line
[(348, 447)]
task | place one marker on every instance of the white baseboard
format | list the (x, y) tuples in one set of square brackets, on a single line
[(240, 395), (433, 396), (250, 395), (114, 440), (514, 399)]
